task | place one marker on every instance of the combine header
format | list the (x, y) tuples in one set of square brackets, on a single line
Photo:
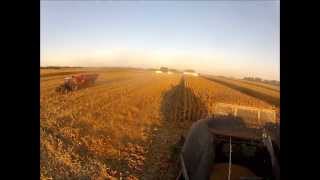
[(236, 143), (76, 82)]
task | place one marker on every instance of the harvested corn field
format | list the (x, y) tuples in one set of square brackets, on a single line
[(268, 93), (127, 125)]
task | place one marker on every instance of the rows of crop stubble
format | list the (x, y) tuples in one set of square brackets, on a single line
[(125, 125), (103, 131), (211, 93), (271, 96)]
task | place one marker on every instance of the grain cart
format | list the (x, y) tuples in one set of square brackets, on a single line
[(76, 82), (235, 143)]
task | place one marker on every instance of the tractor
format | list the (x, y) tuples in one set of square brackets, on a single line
[(76, 82)]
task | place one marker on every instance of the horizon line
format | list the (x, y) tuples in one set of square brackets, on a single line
[(132, 67)]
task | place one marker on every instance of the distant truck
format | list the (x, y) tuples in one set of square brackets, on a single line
[(76, 82), (164, 69)]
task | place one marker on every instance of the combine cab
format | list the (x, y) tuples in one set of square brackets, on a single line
[(236, 143), (76, 82)]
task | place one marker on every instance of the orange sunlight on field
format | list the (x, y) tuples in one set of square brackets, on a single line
[(126, 125)]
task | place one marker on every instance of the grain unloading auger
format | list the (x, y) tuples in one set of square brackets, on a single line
[(76, 82), (237, 142)]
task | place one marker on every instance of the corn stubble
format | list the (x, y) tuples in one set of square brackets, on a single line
[(125, 125)]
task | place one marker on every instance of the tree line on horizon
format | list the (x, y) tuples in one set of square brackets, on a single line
[(257, 79)]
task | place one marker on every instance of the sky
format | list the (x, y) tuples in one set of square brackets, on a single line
[(231, 38)]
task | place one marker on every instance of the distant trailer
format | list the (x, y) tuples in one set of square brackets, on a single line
[(191, 73)]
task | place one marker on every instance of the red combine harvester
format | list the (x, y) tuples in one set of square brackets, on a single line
[(76, 82)]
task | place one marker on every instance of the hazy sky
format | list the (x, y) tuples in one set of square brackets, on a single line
[(233, 38)]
